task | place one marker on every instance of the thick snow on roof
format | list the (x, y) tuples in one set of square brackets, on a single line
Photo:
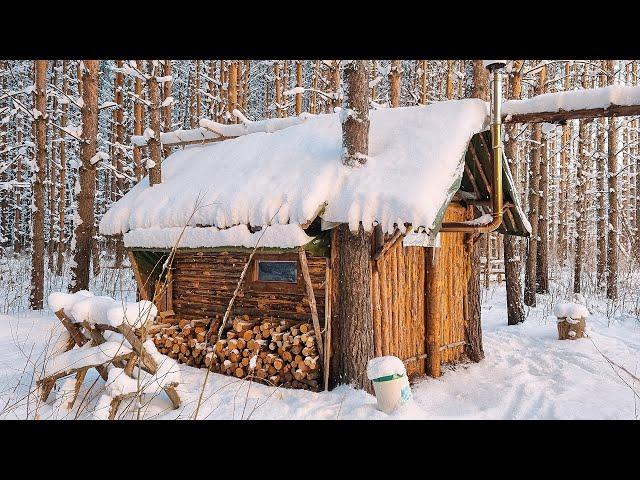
[(281, 236), (574, 100), (290, 175)]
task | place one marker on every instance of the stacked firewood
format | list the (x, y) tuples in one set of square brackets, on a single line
[(276, 352), (187, 341)]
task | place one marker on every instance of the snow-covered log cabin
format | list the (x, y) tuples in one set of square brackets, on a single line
[(278, 188)]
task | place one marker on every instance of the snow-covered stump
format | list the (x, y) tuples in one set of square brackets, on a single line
[(571, 328), (572, 319)]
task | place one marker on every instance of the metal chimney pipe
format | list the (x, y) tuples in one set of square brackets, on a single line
[(494, 67)]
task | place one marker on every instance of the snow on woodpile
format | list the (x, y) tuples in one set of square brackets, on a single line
[(288, 176), (574, 100), (281, 236)]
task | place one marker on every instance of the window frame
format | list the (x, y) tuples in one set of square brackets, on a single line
[(275, 286)]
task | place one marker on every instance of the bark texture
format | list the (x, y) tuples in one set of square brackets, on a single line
[(155, 113), (612, 183), (355, 123), (474, 348), (37, 185), (512, 261), (352, 323), (83, 233)]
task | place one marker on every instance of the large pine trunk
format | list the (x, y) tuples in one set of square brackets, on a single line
[(62, 189), (512, 261), (37, 185), (612, 167), (530, 287), (352, 323), (580, 208), (118, 154), (83, 233), (542, 260), (155, 113), (473, 309), (394, 82), (137, 122)]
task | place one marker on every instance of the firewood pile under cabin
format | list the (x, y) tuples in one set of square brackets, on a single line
[(244, 229)]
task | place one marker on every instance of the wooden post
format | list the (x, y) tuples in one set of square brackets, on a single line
[(312, 299), (327, 326), (142, 288), (432, 292)]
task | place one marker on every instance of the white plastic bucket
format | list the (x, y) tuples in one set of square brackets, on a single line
[(392, 391)]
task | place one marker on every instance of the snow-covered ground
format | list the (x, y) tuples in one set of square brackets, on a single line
[(527, 374)]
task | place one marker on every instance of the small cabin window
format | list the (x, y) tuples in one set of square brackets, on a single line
[(277, 271)]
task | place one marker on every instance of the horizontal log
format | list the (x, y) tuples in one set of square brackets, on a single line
[(562, 116)]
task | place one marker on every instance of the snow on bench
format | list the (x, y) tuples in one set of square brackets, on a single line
[(83, 306), (85, 357), (107, 350)]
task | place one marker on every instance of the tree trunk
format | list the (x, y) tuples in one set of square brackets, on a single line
[(395, 77), (512, 260), (612, 169), (167, 124), (534, 211), (232, 92), (299, 85), (276, 77), (334, 85), (473, 306), (37, 185), (51, 203), (580, 208), (62, 189), (542, 252), (137, 122), (17, 203), (601, 227), (83, 238), (155, 113), (355, 127), (352, 325)]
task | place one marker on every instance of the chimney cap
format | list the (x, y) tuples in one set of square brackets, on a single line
[(492, 64)]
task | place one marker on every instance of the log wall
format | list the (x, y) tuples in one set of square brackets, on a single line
[(203, 284), (399, 298), (398, 305), (454, 269)]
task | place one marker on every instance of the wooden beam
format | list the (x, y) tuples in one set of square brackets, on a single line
[(312, 301), (433, 310), (397, 235), (327, 325), (142, 288), (562, 116)]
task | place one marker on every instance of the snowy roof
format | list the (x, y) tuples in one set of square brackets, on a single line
[(274, 236), (294, 174)]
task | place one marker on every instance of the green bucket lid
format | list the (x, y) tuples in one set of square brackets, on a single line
[(387, 378)]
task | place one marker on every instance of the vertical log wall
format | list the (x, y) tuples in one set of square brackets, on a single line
[(400, 300)]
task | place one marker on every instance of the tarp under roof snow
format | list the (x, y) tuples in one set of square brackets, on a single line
[(292, 175)]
